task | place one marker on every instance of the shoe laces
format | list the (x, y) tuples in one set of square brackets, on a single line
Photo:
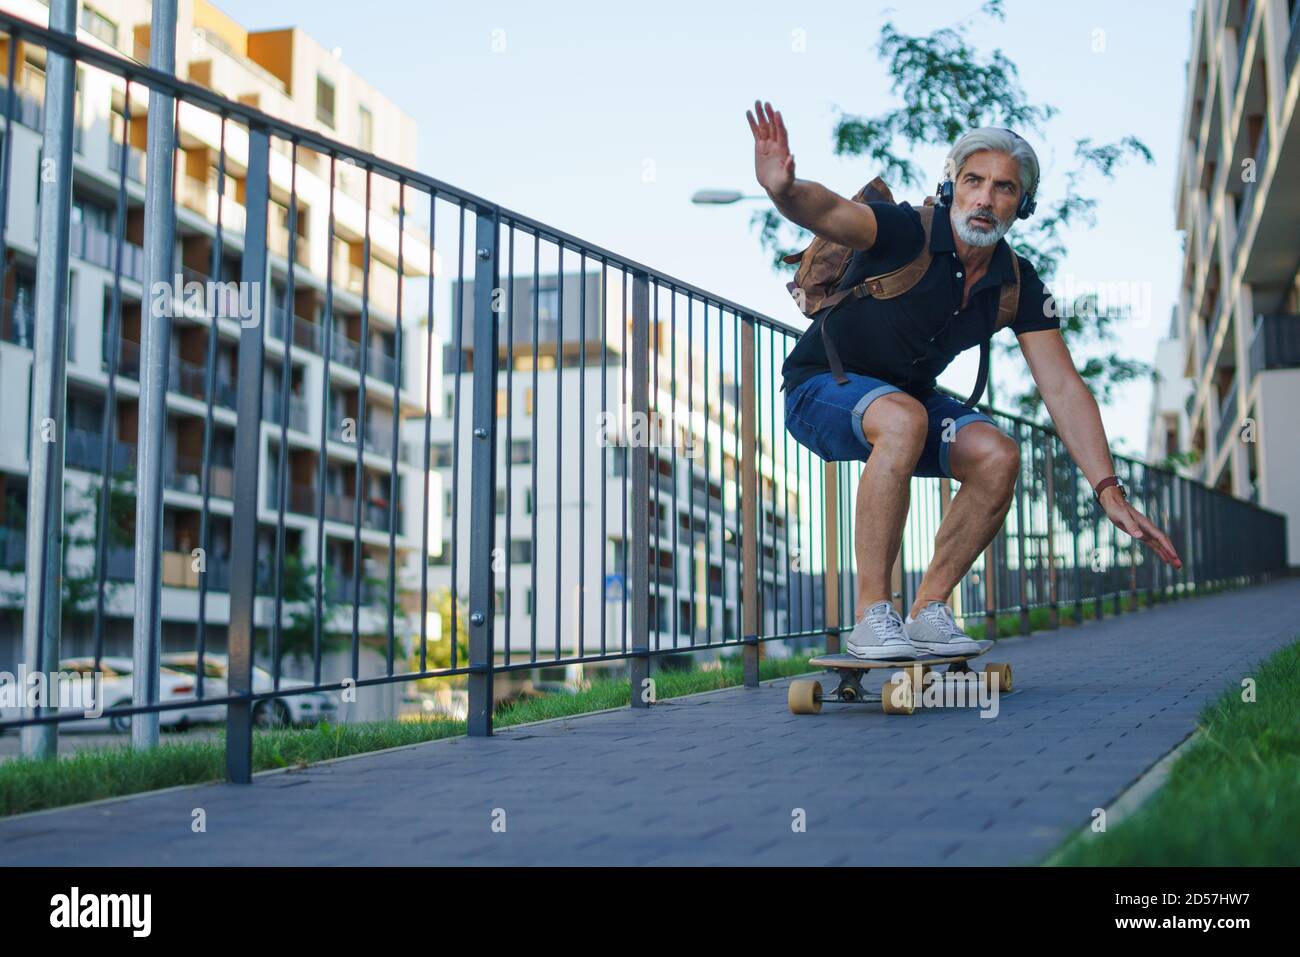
[(940, 615), (881, 620)]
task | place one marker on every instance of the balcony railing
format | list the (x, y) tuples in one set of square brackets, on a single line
[(272, 402), (1293, 45), (96, 246), (1276, 343), (17, 322), (13, 547), (29, 106), (306, 334), (1227, 416), (85, 450), (135, 161), (184, 475)]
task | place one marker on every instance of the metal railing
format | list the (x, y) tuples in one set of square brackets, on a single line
[(665, 508)]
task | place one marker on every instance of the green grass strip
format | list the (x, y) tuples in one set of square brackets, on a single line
[(1231, 799)]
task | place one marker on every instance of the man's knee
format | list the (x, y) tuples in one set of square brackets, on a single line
[(896, 420), (982, 453)]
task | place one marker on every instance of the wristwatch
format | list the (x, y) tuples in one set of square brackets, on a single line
[(1106, 483)]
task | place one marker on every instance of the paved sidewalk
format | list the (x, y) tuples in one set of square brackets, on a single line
[(716, 778)]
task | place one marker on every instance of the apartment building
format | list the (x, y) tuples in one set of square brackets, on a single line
[(287, 74), (1237, 322), (566, 477)]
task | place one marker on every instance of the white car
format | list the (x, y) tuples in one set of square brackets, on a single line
[(306, 708), (113, 689)]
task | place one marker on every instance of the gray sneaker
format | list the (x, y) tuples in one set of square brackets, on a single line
[(935, 632), (879, 636)]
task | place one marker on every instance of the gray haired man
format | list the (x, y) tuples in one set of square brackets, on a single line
[(889, 414)]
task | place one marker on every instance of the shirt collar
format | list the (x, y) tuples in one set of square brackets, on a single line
[(941, 241)]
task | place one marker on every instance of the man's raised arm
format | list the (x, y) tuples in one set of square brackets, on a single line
[(810, 205)]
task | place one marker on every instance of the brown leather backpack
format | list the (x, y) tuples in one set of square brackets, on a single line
[(823, 264)]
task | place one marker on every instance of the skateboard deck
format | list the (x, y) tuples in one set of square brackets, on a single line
[(805, 694)]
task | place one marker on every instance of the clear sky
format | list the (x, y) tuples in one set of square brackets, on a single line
[(557, 111)]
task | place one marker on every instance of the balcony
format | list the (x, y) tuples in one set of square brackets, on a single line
[(189, 379), (92, 244), (1243, 34), (1247, 199), (277, 240), (85, 450), (301, 499), (1293, 47), (1276, 343), (29, 108), (345, 351), (1227, 417), (13, 548), (201, 197), (183, 475), (135, 162), (306, 334), (272, 402), (17, 321)]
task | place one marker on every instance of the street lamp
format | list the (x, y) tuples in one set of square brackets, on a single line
[(720, 197)]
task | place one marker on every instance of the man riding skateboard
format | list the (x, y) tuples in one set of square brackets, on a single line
[(862, 387)]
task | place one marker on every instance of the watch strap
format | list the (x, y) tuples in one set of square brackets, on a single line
[(1106, 483)]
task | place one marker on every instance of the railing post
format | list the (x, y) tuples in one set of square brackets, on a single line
[(990, 590), (831, 574), (155, 354), (248, 448), (42, 610), (749, 503), (639, 661), (1049, 465), (1021, 573), (482, 539)]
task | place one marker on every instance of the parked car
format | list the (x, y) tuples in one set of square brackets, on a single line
[(308, 707), (115, 690)]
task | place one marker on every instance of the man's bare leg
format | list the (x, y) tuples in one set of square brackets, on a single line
[(895, 424), (986, 462)]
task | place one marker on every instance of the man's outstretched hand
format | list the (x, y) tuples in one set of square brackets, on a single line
[(773, 164), (1128, 519)]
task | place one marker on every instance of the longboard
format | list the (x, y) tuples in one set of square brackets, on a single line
[(805, 695)]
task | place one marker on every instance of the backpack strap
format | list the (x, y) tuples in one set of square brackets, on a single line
[(888, 285), (1008, 305)]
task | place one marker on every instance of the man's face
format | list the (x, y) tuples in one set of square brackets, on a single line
[(985, 197)]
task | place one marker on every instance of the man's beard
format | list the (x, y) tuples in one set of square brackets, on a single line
[(977, 237)]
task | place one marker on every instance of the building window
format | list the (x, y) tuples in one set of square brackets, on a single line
[(528, 400), (324, 101), (521, 451), (501, 501), (440, 456), (528, 501), (521, 551), (98, 25), (365, 129)]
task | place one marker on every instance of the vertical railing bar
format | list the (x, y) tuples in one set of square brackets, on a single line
[(672, 441), (45, 491), (243, 583), (394, 477), (358, 480), (286, 376), (428, 435), (110, 397), (624, 392), (708, 486), (735, 468), (483, 458), (160, 225), (559, 447), (455, 436), (654, 431), (327, 412), (209, 424), (690, 460), (639, 660), (533, 454), (509, 459), (6, 150), (749, 473), (604, 466), (582, 449)]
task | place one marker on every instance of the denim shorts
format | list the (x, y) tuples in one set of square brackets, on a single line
[(826, 418)]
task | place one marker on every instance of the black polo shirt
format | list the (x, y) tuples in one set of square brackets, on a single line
[(909, 340)]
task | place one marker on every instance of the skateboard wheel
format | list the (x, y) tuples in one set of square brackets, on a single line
[(805, 696), (1003, 673), (896, 697)]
